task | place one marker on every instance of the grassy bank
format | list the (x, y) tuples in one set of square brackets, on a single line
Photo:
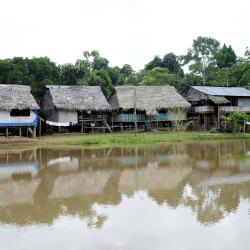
[(119, 140)]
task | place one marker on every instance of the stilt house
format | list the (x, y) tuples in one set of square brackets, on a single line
[(154, 104), (210, 103), (18, 109), (75, 105)]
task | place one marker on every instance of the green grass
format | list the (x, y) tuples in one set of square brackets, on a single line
[(128, 139)]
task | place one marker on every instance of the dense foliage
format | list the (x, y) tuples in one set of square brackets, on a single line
[(236, 120), (209, 63)]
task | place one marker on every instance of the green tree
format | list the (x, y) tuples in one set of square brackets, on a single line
[(247, 54), (68, 74), (156, 62), (101, 78), (226, 57), (100, 63), (171, 62), (158, 76), (5, 67), (127, 70), (117, 78), (224, 77), (202, 55)]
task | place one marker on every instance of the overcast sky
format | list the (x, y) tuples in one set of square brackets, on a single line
[(124, 31)]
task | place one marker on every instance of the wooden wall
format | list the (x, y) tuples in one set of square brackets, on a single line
[(10, 121)]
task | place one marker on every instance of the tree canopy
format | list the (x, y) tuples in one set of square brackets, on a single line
[(208, 63), (157, 76), (202, 55)]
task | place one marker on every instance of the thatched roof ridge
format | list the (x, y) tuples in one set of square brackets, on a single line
[(78, 98), (148, 98), (16, 97)]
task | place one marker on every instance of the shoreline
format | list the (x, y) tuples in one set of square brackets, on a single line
[(117, 139)]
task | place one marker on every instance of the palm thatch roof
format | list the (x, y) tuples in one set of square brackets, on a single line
[(16, 97), (219, 99), (78, 98), (148, 98)]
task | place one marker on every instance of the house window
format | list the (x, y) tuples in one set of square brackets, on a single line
[(18, 112)]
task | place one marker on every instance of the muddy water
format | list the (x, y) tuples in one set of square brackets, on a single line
[(191, 196)]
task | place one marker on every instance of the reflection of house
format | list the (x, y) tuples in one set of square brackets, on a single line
[(84, 182), (209, 103), (22, 191), (227, 180), (9, 170), (64, 164), (152, 177)]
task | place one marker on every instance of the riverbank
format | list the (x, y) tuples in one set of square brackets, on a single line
[(117, 139)]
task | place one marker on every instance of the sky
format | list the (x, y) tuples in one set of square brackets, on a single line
[(124, 31)]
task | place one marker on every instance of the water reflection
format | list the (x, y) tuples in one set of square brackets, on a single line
[(37, 186)]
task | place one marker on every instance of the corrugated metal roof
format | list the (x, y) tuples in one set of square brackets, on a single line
[(223, 91)]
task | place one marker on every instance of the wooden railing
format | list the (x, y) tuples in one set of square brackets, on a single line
[(202, 109), (231, 109)]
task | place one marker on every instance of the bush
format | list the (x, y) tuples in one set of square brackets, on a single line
[(237, 120)]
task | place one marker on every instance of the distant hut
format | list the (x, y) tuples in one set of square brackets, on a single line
[(75, 105), (210, 103), (154, 104), (18, 109)]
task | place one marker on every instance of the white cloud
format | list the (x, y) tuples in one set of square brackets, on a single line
[(124, 31)]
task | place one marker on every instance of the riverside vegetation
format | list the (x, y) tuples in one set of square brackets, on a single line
[(120, 139)]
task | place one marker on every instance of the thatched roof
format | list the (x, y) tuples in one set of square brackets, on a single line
[(78, 98), (219, 99), (148, 98), (16, 97)]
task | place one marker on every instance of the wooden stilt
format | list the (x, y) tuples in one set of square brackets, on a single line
[(218, 118), (40, 127), (20, 132), (82, 127), (108, 127), (34, 132), (204, 118), (7, 133)]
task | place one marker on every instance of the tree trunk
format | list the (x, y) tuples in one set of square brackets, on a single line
[(204, 77)]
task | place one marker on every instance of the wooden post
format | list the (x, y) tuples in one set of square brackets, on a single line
[(34, 132), (135, 115), (20, 131), (40, 127), (218, 118), (7, 133), (204, 116), (82, 127)]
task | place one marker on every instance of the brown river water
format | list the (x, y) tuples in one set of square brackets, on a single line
[(178, 197)]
